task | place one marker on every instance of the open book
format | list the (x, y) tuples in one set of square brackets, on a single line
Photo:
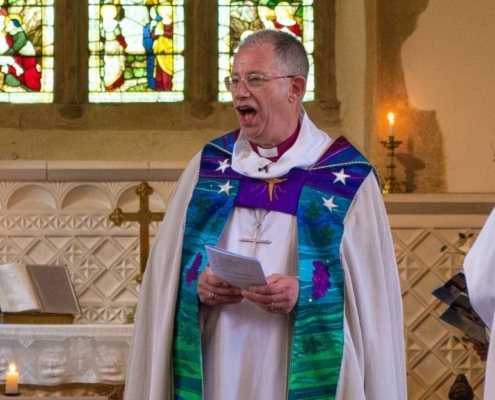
[(460, 313), (38, 288)]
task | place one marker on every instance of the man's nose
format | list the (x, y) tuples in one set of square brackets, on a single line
[(242, 89)]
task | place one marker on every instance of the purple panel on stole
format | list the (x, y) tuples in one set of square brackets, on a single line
[(276, 194)]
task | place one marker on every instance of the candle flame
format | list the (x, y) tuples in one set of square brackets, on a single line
[(12, 367), (391, 118)]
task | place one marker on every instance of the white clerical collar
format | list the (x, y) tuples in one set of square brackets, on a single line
[(268, 153)]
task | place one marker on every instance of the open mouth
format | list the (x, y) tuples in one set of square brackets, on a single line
[(246, 113)]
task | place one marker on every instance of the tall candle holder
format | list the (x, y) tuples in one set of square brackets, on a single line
[(391, 185)]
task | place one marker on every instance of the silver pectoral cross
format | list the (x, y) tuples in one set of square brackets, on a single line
[(255, 239)]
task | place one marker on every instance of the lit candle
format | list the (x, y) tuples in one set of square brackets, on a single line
[(391, 122), (12, 380)]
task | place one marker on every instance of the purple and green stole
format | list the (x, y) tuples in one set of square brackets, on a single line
[(320, 199)]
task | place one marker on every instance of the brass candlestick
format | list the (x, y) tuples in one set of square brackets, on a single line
[(391, 185)]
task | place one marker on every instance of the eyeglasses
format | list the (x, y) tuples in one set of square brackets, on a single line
[(252, 81)]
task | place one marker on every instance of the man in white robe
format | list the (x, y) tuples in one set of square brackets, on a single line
[(247, 337), (479, 268)]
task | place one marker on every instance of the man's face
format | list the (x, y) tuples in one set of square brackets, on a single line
[(266, 115)]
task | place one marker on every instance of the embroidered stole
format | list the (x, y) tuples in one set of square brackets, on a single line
[(320, 199)]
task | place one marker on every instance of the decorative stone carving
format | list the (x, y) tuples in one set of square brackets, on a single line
[(67, 223)]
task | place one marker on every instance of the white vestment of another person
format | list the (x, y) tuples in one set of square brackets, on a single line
[(245, 349), (479, 268)]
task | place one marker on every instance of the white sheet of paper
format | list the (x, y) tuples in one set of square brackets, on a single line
[(238, 270)]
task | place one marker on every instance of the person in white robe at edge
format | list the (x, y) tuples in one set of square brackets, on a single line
[(328, 323), (479, 269)]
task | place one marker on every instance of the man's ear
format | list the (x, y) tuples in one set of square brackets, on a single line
[(297, 88)]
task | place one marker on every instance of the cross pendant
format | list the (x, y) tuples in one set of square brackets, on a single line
[(255, 239)]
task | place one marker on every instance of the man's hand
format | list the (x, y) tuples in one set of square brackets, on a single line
[(213, 290), (480, 348), (279, 296)]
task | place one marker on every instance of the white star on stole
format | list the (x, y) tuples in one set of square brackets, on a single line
[(340, 176), (223, 165), (329, 203), (225, 188)]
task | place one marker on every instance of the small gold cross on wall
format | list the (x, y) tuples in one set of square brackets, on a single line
[(144, 217)]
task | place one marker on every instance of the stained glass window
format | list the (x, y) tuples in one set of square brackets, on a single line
[(238, 18), (136, 51), (26, 51)]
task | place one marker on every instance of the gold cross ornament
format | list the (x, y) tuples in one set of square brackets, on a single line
[(144, 217)]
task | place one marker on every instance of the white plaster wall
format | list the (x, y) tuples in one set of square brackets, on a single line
[(350, 48), (449, 67)]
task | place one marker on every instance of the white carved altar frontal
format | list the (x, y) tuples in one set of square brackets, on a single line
[(57, 354)]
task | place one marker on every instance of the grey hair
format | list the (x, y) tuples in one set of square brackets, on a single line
[(290, 54)]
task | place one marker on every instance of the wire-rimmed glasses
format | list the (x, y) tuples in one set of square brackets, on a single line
[(252, 81)]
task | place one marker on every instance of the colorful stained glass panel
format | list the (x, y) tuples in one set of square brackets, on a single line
[(26, 51), (136, 51), (238, 18)]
